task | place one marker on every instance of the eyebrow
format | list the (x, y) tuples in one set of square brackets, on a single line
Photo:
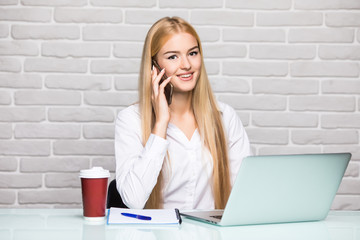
[(179, 51)]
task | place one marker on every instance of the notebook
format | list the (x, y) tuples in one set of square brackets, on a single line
[(144, 216), (280, 189)]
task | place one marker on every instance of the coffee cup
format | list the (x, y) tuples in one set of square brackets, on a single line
[(94, 183)]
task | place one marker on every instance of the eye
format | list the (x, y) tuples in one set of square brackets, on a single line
[(172, 57), (194, 53)]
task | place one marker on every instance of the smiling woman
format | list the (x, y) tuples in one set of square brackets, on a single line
[(186, 154)]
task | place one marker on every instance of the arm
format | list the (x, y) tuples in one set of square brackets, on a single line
[(238, 141), (137, 166)]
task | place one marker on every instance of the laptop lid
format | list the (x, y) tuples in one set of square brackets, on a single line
[(283, 188)]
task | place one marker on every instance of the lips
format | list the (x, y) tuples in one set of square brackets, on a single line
[(185, 76)]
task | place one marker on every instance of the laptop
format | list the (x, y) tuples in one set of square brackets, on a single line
[(280, 189)]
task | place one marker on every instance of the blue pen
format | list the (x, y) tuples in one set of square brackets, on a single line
[(141, 217)]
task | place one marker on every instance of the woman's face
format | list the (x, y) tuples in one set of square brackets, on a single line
[(180, 56)]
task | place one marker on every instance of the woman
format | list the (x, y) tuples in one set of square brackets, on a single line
[(186, 154)]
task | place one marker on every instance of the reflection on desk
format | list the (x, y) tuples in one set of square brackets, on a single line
[(18, 224)]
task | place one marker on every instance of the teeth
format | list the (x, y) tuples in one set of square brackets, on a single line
[(185, 76)]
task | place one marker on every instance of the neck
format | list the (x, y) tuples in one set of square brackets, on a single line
[(181, 103)]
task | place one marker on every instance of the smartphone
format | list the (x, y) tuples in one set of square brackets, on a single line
[(169, 88)]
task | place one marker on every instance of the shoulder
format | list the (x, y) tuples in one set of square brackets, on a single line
[(226, 110), (132, 112)]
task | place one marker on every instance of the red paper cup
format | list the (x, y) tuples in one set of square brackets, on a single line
[(94, 190)]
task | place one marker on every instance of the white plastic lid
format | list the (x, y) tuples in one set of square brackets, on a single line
[(95, 172)]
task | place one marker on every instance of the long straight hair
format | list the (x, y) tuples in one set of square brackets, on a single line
[(206, 112)]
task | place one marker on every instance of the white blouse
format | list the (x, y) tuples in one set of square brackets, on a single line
[(188, 170)]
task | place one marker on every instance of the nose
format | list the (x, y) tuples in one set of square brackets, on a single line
[(185, 63)]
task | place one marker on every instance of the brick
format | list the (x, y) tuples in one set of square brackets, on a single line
[(284, 86), (222, 18), (20, 180), (20, 81), (5, 98), (266, 136), (324, 137), (207, 34), (282, 119), (245, 117), (70, 147), (347, 19), (80, 115), (8, 164), (60, 196), (353, 149), (114, 33), (7, 197), (9, 2), (339, 52), (212, 67), (105, 162), (282, 150), (253, 35), (126, 82), (326, 4), (45, 32), (29, 114), (254, 102), (259, 4), (346, 202), (349, 186), (322, 103), (4, 30), (341, 121), (26, 14), (128, 50), (44, 164), (78, 82), (10, 65), (140, 16), (5, 131), (287, 52), (228, 84), (25, 148), (99, 131), (268, 69), (115, 66), (55, 65), (352, 170), (289, 19), (54, 3), (62, 180), (124, 3), (75, 50), (83, 15), (324, 69), (47, 98), (321, 35), (57, 131), (12, 48), (341, 86), (110, 99), (224, 51), (191, 4)]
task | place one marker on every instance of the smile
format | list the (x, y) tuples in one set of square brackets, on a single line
[(186, 76)]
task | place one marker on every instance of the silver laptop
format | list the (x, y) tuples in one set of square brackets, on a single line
[(280, 189)]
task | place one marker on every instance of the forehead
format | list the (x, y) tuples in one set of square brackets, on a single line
[(179, 42)]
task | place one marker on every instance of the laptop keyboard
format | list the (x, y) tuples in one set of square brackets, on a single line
[(217, 216)]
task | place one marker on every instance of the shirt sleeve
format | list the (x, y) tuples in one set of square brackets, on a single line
[(137, 166), (238, 141)]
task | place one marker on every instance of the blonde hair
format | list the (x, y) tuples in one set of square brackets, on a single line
[(206, 112)]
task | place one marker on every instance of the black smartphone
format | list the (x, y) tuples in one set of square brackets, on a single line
[(169, 88)]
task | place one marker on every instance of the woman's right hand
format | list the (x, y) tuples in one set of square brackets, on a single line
[(159, 103)]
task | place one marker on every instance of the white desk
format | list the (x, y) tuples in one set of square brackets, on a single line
[(68, 224)]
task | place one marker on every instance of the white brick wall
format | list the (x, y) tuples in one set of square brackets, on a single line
[(290, 68)]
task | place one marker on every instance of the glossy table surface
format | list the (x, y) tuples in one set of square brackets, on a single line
[(69, 224)]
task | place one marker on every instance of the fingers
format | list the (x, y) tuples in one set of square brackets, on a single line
[(156, 79)]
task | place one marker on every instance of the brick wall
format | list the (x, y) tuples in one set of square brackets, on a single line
[(289, 67)]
